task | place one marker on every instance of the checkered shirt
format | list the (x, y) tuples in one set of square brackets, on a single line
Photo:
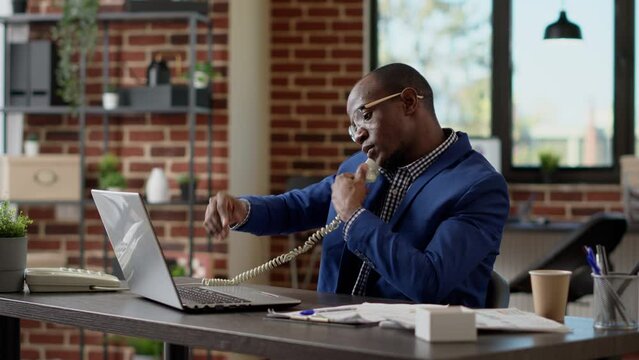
[(400, 181)]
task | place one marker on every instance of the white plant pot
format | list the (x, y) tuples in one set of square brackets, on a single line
[(110, 101), (157, 187), (200, 80), (31, 148)]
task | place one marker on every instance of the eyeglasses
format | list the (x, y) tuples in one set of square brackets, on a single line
[(354, 127)]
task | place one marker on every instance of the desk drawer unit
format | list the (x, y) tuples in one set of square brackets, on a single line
[(43, 177)]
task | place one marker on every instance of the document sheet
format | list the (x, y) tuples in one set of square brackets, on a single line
[(403, 316)]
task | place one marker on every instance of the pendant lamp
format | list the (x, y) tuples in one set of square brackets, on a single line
[(562, 29)]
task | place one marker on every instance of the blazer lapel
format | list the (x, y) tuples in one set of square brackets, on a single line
[(453, 154)]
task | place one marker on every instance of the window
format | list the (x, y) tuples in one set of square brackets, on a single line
[(449, 42), (562, 90), (571, 99)]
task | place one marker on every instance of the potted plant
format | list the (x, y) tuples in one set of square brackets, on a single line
[(184, 180), (144, 348), (13, 248), (31, 145), (110, 177), (176, 269), (202, 75), (110, 97), (75, 36), (548, 163)]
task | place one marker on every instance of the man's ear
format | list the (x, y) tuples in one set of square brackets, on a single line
[(410, 100)]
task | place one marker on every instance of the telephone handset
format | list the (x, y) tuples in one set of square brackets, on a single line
[(373, 171), (371, 176)]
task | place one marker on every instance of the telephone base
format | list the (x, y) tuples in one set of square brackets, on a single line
[(58, 288), (69, 280)]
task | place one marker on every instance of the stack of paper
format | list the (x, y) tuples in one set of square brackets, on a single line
[(403, 316), (513, 319)]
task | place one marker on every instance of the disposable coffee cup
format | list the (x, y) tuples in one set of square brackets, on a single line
[(550, 293)]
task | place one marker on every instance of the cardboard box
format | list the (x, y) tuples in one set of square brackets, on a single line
[(445, 324), (43, 177)]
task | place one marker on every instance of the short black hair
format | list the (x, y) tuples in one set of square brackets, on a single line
[(395, 77)]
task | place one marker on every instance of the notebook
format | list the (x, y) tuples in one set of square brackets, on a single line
[(140, 256)]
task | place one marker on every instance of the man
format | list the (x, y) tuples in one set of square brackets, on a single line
[(428, 229)]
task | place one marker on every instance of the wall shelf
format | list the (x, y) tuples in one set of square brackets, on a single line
[(108, 16), (192, 19), (98, 110)]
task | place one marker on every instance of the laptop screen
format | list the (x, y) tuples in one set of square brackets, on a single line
[(135, 245)]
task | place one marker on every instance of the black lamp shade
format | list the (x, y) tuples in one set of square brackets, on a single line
[(562, 29)]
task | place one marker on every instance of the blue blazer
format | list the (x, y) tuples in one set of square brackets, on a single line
[(439, 247)]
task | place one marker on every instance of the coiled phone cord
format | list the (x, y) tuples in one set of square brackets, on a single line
[(275, 262)]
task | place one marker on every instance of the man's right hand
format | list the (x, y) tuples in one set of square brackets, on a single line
[(222, 212)]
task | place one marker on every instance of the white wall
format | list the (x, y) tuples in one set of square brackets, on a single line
[(249, 117)]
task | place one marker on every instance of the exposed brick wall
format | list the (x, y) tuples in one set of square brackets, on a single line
[(563, 202), (51, 341), (316, 57), (142, 141)]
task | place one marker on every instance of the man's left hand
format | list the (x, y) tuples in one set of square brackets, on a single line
[(349, 191)]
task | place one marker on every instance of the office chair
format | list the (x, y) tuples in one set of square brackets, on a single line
[(300, 182), (498, 293), (606, 229)]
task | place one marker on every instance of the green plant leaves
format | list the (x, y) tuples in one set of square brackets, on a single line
[(10, 224), (75, 35)]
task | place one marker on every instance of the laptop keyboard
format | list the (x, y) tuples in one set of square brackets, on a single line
[(205, 296)]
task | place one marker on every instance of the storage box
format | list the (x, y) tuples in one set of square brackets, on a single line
[(31, 74), (163, 97), (43, 177), (445, 324), (201, 6)]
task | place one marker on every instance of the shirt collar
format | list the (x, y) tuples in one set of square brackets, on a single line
[(418, 166)]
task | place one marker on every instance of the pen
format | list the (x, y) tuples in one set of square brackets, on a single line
[(603, 257), (590, 259), (309, 312)]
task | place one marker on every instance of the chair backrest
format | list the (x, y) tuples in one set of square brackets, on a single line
[(498, 293), (300, 182), (606, 229)]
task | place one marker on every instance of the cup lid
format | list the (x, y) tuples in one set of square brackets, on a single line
[(549, 272)]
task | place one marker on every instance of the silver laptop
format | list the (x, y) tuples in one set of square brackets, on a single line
[(140, 256)]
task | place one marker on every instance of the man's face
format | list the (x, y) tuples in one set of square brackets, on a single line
[(380, 128)]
